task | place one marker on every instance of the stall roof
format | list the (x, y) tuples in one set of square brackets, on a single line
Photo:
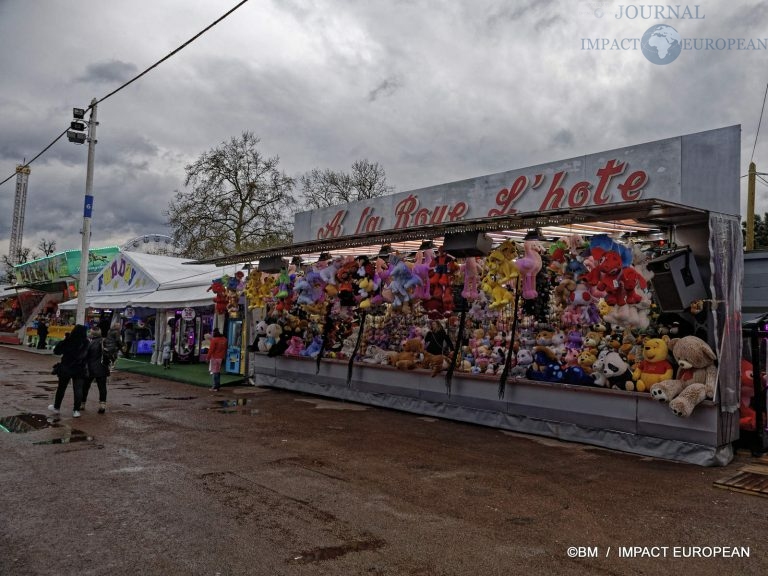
[(161, 281), (625, 217)]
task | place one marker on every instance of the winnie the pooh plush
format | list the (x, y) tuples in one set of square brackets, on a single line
[(654, 367), (696, 376)]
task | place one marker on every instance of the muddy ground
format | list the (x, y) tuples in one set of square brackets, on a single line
[(175, 479)]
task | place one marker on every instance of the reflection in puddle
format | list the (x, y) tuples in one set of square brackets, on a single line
[(330, 552), (23, 423), (233, 407), (73, 436)]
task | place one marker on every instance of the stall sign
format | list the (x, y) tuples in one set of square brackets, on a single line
[(121, 275), (650, 170), (188, 314)]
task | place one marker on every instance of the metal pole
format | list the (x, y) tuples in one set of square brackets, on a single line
[(82, 287), (751, 206)]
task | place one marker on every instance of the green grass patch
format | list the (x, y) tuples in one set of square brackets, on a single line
[(196, 374)]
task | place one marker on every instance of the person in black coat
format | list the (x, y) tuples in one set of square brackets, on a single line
[(437, 341), (42, 334), (73, 366), (98, 361)]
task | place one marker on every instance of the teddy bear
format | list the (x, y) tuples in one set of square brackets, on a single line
[(273, 332), (409, 356), (435, 362), (654, 367), (696, 376), (377, 355), (523, 359), (259, 337), (618, 372)]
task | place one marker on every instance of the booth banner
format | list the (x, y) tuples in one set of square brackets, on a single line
[(122, 276), (725, 238), (651, 170), (61, 266)]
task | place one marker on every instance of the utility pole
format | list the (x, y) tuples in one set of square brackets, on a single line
[(751, 206), (82, 287)]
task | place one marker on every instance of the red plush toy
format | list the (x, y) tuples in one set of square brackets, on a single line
[(220, 299)]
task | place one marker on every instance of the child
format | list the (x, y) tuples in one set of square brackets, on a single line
[(167, 354)]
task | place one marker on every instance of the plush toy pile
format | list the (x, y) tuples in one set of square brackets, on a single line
[(577, 312)]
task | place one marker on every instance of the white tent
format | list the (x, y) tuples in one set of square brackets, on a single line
[(151, 281)]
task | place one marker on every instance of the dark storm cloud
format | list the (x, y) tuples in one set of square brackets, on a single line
[(563, 138), (386, 88), (113, 71)]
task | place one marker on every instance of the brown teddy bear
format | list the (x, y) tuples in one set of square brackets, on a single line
[(435, 362), (408, 358), (696, 376)]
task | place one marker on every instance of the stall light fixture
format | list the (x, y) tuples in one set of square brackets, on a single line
[(534, 234), (76, 137), (427, 245), (324, 256)]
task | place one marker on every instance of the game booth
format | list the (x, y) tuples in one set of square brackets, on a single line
[(159, 298), (595, 299)]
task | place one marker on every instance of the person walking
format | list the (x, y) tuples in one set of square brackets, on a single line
[(129, 337), (73, 366), (167, 354), (42, 334), (112, 345), (216, 354), (437, 341), (98, 369)]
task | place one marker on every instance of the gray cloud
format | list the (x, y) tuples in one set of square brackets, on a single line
[(112, 72), (433, 91)]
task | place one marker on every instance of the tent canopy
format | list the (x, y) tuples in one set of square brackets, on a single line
[(151, 281)]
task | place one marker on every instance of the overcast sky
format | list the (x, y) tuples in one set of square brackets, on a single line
[(435, 91)]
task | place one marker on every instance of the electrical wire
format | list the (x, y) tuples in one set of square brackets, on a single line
[(758, 125), (132, 80)]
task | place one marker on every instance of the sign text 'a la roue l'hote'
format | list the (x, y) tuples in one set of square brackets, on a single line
[(650, 170)]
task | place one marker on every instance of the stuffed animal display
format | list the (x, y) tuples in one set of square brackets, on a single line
[(575, 312)]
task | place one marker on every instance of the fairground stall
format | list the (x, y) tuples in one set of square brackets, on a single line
[(44, 283), (160, 298), (595, 299)]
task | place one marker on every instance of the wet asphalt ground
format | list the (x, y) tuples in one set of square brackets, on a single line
[(175, 479)]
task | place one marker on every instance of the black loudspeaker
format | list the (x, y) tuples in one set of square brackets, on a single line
[(676, 281), (464, 244), (272, 264)]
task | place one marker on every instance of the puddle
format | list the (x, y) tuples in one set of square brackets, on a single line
[(233, 407), (23, 423), (330, 405), (179, 397), (330, 552), (73, 436)]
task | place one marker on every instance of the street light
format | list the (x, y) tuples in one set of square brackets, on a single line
[(77, 135)]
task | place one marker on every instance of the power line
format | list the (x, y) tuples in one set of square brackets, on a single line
[(132, 80), (758, 124)]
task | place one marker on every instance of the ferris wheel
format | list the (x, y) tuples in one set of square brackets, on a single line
[(152, 244)]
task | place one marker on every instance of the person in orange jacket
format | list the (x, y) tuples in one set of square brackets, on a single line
[(216, 354)]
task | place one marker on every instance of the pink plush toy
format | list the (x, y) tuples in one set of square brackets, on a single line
[(295, 346), (529, 266), (471, 276)]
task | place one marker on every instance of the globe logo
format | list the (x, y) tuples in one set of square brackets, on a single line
[(661, 44)]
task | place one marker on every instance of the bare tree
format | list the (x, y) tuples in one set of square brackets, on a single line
[(24, 255), (322, 188), (238, 201), (47, 247)]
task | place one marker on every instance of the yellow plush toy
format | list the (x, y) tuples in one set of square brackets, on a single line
[(654, 367)]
